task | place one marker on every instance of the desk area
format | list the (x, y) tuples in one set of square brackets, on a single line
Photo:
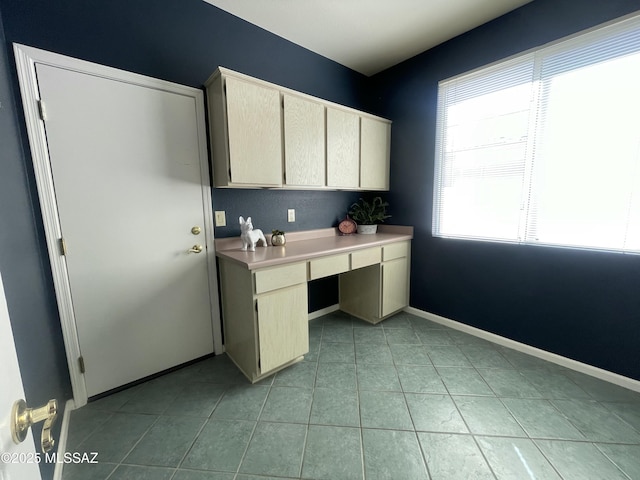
[(264, 293)]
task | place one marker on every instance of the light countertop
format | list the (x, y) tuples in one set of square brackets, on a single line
[(305, 245)]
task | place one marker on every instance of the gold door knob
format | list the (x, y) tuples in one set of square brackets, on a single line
[(195, 249), (23, 417)]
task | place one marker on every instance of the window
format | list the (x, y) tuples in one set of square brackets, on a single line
[(545, 148)]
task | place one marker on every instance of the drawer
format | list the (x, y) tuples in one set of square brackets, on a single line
[(326, 266), (364, 258), (268, 279), (395, 250)]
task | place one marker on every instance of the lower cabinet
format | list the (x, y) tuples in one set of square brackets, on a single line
[(395, 286), (375, 292), (265, 331), (265, 311), (283, 330)]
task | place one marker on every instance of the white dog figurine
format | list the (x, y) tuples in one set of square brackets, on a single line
[(249, 236)]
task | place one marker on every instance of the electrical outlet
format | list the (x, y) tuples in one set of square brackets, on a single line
[(221, 218), (291, 215)]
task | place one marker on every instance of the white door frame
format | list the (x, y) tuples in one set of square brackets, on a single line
[(26, 59)]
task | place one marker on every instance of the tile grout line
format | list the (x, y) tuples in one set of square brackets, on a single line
[(415, 430), (500, 399), (612, 461), (547, 395), (253, 431), (110, 415), (313, 390), (528, 436), (195, 439), (134, 446), (473, 435), (404, 396)]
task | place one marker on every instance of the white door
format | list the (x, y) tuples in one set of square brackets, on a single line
[(11, 468), (129, 170)]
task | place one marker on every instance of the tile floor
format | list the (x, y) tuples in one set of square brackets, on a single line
[(405, 400)]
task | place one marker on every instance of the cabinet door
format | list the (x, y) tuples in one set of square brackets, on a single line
[(255, 133), (375, 141), (343, 148), (395, 285), (304, 142), (283, 328)]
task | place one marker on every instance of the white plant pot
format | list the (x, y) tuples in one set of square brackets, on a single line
[(367, 229)]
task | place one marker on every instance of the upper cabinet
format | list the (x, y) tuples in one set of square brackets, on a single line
[(343, 149), (267, 136), (246, 133), (256, 110), (304, 145), (375, 143)]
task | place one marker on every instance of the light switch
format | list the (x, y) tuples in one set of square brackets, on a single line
[(291, 215), (221, 218)]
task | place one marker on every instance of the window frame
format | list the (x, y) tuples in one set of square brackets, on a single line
[(606, 30)]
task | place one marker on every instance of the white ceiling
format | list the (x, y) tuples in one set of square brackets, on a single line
[(368, 35)]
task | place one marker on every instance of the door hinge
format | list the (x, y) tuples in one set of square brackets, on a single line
[(42, 111), (81, 364), (63, 247)]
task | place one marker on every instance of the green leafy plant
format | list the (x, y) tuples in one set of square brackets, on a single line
[(365, 213), (277, 232)]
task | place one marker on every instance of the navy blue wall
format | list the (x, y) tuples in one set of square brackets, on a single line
[(185, 42), (583, 305), (268, 210), (25, 272), (181, 41), (580, 304)]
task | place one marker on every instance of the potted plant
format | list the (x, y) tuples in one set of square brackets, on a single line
[(369, 215), (277, 238)]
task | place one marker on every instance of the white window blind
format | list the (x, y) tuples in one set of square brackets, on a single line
[(545, 148)]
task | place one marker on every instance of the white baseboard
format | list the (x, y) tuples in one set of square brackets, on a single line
[(605, 375), (323, 311), (62, 441)]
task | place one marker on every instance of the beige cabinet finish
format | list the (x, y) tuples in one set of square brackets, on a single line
[(364, 258), (282, 326), (245, 129), (255, 133), (395, 286), (267, 279), (326, 266), (239, 317), (304, 142), (375, 150), (264, 293), (379, 290), (343, 149), (395, 250), (264, 332), (265, 135)]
